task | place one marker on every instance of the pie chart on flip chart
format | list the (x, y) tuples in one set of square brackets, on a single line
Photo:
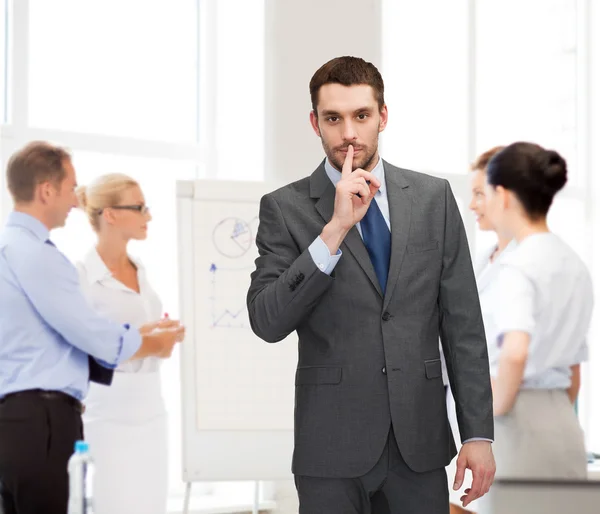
[(233, 237)]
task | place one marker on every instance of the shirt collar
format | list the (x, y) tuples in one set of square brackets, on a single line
[(28, 222), (96, 269), (335, 176)]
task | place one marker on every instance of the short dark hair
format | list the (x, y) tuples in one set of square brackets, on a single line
[(347, 71), (483, 160), (37, 162), (533, 173)]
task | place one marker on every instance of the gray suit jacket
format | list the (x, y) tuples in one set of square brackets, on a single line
[(367, 360)]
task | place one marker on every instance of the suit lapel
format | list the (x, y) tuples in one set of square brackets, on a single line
[(323, 190), (357, 247), (400, 213)]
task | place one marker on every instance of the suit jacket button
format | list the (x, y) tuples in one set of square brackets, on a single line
[(384, 371), (386, 316)]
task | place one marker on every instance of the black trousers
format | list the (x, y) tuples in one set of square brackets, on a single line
[(37, 436), (391, 487)]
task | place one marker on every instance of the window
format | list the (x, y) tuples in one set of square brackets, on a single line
[(150, 89), (113, 67), (479, 74), (526, 85), (529, 88)]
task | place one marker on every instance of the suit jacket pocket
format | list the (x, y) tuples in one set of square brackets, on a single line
[(422, 247), (315, 375), (433, 368)]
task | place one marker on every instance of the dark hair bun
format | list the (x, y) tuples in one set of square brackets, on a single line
[(533, 173), (554, 171)]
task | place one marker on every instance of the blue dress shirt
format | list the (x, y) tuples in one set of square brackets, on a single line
[(47, 328), (318, 249)]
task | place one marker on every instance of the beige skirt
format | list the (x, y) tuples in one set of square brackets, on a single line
[(540, 438)]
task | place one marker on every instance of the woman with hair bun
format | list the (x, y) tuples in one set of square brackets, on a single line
[(544, 300)]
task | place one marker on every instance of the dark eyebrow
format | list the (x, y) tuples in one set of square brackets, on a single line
[(357, 111)]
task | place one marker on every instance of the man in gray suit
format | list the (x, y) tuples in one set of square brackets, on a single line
[(370, 264)]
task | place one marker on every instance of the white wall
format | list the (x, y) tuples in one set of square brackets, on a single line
[(300, 37)]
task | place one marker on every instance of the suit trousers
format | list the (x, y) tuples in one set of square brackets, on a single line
[(37, 436), (390, 487)]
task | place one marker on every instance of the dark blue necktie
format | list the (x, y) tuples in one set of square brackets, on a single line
[(378, 240)]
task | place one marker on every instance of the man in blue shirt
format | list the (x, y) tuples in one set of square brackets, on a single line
[(50, 338)]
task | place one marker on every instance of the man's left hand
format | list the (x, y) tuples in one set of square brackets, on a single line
[(478, 457)]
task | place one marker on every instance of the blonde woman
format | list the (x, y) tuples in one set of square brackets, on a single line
[(126, 423)]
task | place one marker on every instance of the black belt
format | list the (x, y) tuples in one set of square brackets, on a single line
[(48, 395)]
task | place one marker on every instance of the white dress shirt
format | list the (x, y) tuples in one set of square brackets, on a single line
[(545, 289), (113, 299), (486, 273)]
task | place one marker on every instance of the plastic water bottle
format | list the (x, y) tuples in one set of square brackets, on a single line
[(81, 471)]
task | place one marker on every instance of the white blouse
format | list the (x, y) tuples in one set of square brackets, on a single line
[(116, 301), (486, 273), (543, 288)]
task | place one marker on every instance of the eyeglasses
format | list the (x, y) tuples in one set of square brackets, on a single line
[(142, 209)]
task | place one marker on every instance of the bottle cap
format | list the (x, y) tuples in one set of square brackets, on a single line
[(81, 446)]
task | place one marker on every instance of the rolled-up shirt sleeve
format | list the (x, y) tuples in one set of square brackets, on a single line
[(51, 283)]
